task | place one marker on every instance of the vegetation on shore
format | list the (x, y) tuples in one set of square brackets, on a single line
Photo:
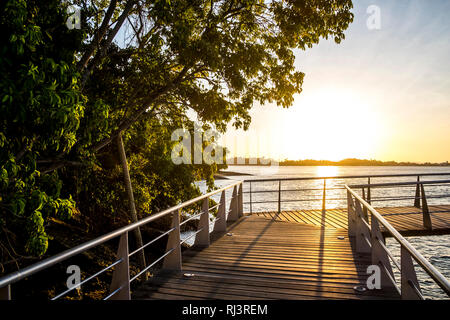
[(355, 162), (344, 162), (73, 98)]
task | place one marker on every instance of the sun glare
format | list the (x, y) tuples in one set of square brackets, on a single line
[(327, 171), (331, 124), (326, 124)]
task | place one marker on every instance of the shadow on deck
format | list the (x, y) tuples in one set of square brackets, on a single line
[(262, 258), (406, 220)]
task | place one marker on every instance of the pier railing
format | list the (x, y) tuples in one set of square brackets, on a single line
[(284, 187), (171, 259), (364, 224), (420, 197)]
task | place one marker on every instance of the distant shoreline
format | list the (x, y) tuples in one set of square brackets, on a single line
[(337, 165), (224, 174), (345, 162)]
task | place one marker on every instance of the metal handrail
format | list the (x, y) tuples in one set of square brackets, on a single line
[(46, 263), (324, 190), (424, 263), (353, 176), (152, 264), (152, 241), (395, 184), (86, 280)]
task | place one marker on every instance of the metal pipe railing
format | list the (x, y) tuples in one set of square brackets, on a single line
[(124, 278), (279, 191), (353, 176), (359, 227)]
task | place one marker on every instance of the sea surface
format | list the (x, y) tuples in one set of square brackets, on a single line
[(435, 248)]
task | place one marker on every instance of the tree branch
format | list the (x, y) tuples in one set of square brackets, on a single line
[(98, 36), (111, 35)]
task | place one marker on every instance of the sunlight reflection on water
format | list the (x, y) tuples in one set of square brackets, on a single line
[(434, 248)]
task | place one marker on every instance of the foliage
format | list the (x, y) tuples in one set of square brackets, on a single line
[(41, 107), (66, 94)]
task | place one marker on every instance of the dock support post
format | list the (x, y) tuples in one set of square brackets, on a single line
[(220, 225), (121, 275), (425, 212), (279, 196), (5, 292), (173, 260), (368, 190), (379, 255), (417, 197), (202, 237), (410, 285), (233, 215), (362, 233), (251, 211), (324, 196), (240, 201), (350, 215), (365, 214)]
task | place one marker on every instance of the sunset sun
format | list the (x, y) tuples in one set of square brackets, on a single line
[(332, 124)]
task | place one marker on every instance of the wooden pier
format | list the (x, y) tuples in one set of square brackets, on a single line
[(303, 254), (261, 258), (406, 220), (299, 254)]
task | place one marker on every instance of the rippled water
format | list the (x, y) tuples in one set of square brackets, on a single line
[(434, 248)]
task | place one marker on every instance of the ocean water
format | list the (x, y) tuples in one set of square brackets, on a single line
[(435, 248)]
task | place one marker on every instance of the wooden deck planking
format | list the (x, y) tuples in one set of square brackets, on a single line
[(407, 220), (289, 255), (269, 259)]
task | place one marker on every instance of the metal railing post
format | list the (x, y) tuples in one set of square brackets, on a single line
[(279, 196), (324, 195), (5, 292), (425, 212), (251, 209), (362, 233), (202, 237), (173, 260), (410, 287), (417, 197), (379, 255), (233, 215), (240, 201), (121, 276), (220, 225), (368, 190), (364, 209), (350, 215)]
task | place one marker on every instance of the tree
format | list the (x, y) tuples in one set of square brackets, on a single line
[(214, 57), (67, 94), (41, 106)]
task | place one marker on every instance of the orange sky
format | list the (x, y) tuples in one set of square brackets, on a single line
[(381, 94)]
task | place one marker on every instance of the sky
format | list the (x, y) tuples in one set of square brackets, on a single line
[(383, 93)]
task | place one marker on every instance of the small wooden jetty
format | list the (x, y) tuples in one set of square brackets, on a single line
[(263, 258), (306, 254), (406, 220), (302, 254), (287, 254)]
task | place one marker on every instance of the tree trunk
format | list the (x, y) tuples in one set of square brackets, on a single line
[(129, 188)]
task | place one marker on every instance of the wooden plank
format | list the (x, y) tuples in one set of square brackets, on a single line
[(407, 220), (287, 255), (276, 258)]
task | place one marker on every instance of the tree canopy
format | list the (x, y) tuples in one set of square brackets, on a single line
[(135, 67)]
